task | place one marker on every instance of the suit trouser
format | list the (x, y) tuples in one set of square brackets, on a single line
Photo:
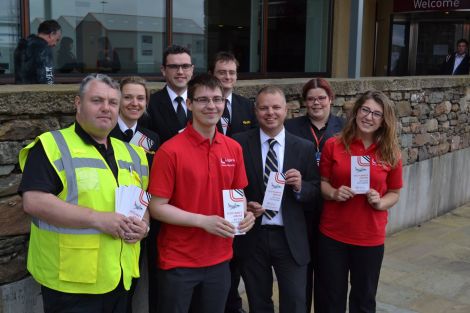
[(336, 261), (61, 302), (176, 287), (272, 251)]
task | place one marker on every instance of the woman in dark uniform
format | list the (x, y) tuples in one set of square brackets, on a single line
[(134, 99), (317, 126)]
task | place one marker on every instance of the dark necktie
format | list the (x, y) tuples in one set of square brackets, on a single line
[(226, 116), (270, 166), (128, 134), (180, 113)]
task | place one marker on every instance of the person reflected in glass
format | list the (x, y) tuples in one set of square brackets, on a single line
[(316, 126), (108, 59), (353, 221), (66, 60)]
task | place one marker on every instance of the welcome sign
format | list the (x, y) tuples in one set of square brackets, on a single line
[(430, 5)]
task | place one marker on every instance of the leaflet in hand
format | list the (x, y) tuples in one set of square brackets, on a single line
[(131, 201), (274, 191), (360, 174), (234, 207), (141, 140)]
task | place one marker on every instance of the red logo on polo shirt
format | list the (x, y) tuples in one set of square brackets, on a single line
[(227, 162)]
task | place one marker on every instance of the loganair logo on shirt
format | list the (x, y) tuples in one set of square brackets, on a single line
[(227, 162)]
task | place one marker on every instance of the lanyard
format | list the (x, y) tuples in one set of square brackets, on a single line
[(316, 138)]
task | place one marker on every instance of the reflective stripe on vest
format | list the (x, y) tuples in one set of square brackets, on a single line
[(69, 165)]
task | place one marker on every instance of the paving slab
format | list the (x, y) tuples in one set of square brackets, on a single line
[(426, 268)]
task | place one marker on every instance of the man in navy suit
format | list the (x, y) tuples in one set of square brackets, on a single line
[(457, 63), (279, 240), (167, 111), (239, 114)]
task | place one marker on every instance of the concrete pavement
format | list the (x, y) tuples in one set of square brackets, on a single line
[(426, 269)]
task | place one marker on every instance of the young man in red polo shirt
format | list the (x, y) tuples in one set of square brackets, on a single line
[(188, 175)]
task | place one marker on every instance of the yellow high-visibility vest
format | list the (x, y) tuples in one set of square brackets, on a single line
[(77, 260)]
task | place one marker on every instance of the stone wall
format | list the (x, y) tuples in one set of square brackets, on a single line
[(433, 117)]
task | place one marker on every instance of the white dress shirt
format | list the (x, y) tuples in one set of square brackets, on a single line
[(279, 148), (173, 96)]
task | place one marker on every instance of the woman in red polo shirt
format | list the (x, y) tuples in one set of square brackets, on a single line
[(352, 224)]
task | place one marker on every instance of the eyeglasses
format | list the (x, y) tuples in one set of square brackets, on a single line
[(184, 67), (321, 99), (206, 100), (375, 114), (226, 73)]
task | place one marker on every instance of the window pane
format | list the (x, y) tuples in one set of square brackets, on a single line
[(9, 34), (117, 36), (228, 25), (298, 35)]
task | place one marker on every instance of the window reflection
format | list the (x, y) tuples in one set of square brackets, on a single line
[(121, 36), (9, 34)]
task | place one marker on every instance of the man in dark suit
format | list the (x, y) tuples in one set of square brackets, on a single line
[(238, 114), (167, 112), (457, 63), (279, 240)]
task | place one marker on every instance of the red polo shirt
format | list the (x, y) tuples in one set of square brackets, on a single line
[(355, 221), (192, 173)]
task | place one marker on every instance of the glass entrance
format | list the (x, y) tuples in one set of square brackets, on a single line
[(435, 41)]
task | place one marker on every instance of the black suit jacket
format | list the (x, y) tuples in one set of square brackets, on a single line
[(300, 126), (243, 116), (462, 69), (118, 134), (299, 154), (161, 117)]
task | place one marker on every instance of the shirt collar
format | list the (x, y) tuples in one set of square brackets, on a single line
[(173, 94), (280, 138), (358, 142), (123, 127), (229, 98), (86, 137), (197, 138)]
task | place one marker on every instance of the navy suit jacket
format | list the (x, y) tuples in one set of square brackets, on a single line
[(161, 117), (300, 126), (462, 69), (118, 134), (299, 154), (243, 116)]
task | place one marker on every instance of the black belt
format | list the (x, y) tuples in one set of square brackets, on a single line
[(272, 227)]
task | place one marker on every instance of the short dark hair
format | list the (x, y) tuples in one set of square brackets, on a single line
[(318, 83), (223, 56), (203, 80), (465, 41), (174, 49), (48, 27)]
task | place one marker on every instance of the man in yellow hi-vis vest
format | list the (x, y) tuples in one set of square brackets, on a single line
[(82, 253)]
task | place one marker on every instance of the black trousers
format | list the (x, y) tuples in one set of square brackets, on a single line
[(234, 301), (272, 251), (176, 288), (60, 302), (336, 262)]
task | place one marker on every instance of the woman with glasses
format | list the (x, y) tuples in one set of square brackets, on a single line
[(361, 178), (134, 99), (316, 126)]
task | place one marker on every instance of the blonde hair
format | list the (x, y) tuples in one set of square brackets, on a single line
[(138, 81), (385, 137)]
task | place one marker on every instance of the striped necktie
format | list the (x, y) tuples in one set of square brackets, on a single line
[(270, 166)]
